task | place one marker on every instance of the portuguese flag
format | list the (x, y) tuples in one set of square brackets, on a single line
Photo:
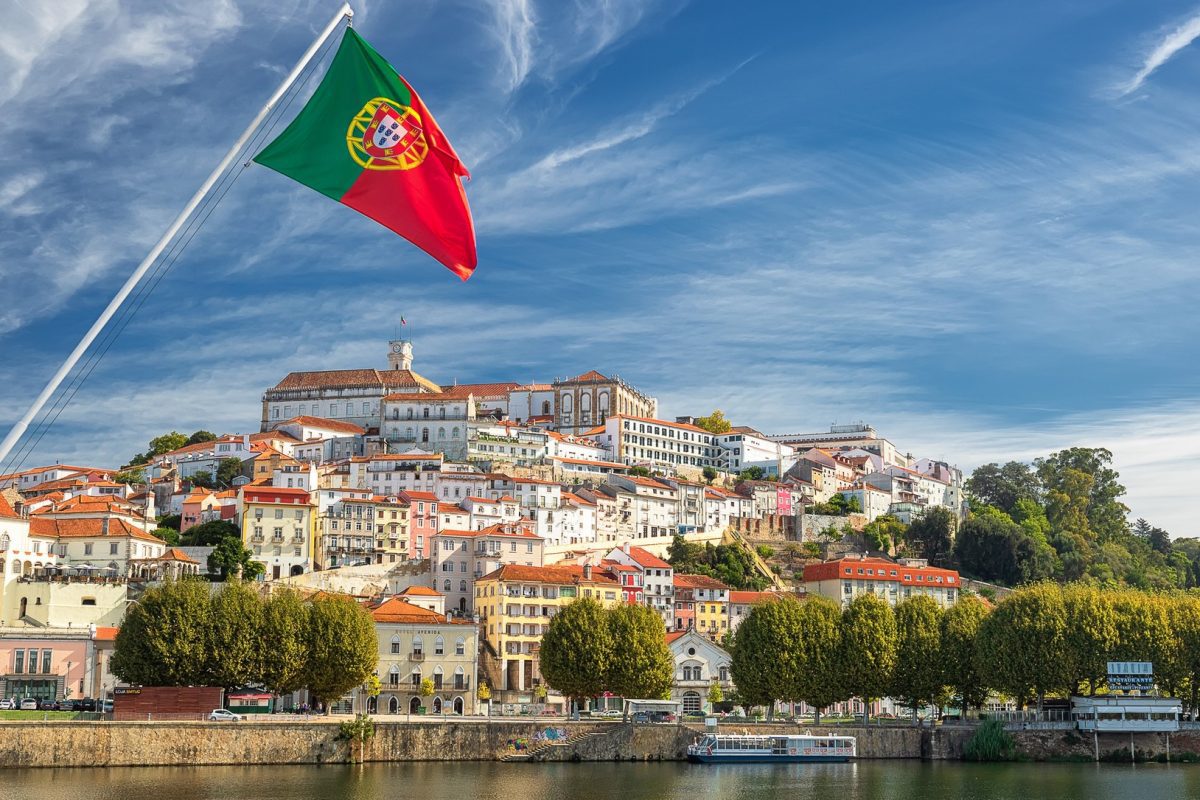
[(366, 140)]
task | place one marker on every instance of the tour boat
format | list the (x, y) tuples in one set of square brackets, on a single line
[(722, 748)]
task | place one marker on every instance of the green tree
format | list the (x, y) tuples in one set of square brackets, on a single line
[(1098, 493), (1181, 667), (642, 666), (168, 535), (235, 623), (710, 474), (1090, 635), (169, 521), (1003, 486), (202, 479), (1021, 644), (1142, 627), (991, 547), (231, 559), (752, 474), (130, 476), (960, 626), (342, 649), (577, 649), (641, 472), (714, 422), (210, 534), (885, 533), (818, 680), (715, 695), (198, 437), (227, 470), (166, 443), (868, 648), (766, 664), (931, 536), (164, 639), (283, 642), (918, 671)]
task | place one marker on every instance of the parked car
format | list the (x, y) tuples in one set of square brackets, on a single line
[(8, 704), (223, 715), (86, 704), (29, 704)]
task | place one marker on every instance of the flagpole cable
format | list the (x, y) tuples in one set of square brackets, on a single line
[(18, 429), (51, 414)]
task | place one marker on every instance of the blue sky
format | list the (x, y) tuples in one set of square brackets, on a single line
[(972, 225)]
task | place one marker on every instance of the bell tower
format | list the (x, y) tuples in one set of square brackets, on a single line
[(400, 354)]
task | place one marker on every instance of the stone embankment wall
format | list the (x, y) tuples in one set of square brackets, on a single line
[(113, 744)]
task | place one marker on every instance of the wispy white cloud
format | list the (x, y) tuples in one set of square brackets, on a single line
[(515, 32), (1174, 41)]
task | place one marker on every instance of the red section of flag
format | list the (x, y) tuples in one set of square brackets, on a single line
[(426, 204)]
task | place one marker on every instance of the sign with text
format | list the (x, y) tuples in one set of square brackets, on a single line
[(1130, 675)]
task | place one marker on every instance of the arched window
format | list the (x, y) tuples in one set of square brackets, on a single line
[(460, 679), (417, 650), (462, 586), (585, 403), (394, 675), (565, 404), (602, 405), (439, 646), (437, 678), (441, 433), (460, 646), (4, 542), (691, 703), (393, 705), (545, 408), (396, 644), (454, 432), (446, 585), (441, 412)]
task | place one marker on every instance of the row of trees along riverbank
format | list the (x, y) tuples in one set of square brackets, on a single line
[(588, 650), (184, 634), (1043, 639)]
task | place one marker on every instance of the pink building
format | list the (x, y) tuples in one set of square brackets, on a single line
[(422, 522), (57, 663)]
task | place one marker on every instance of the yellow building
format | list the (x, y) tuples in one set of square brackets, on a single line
[(279, 525), (702, 603), (391, 529), (517, 602)]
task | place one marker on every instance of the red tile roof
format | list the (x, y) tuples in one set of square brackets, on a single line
[(324, 379), (395, 610), (847, 569), (590, 375), (559, 574), (105, 633), (673, 635), (698, 582), (499, 529), (424, 591), (644, 558), (6, 510), (414, 495), (327, 424), (481, 389), (84, 528)]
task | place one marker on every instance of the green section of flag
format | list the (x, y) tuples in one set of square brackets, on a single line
[(313, 149)]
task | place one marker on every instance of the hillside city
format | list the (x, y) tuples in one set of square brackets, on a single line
[(465, 517)]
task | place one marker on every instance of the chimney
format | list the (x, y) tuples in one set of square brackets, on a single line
[(587, 571), (626, 548)]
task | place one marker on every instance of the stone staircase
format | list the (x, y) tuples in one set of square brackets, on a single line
[(541, 748)]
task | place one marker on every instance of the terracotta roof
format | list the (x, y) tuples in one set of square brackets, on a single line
[(85, 528), (590, 375), (395, 610), (479, 389), (327, 424), (6, 510), (424, 591), (846, 568), (398, 378), (426, 496), (673, 635), (750, 598), (644, 558), (559, 574), (105, 633), (499, 529), (571, 496), (698, 582), (535, 387)]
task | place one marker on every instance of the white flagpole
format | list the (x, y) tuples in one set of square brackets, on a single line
[(22, 425)]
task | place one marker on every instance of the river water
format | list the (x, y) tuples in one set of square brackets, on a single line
[(866, 780)]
